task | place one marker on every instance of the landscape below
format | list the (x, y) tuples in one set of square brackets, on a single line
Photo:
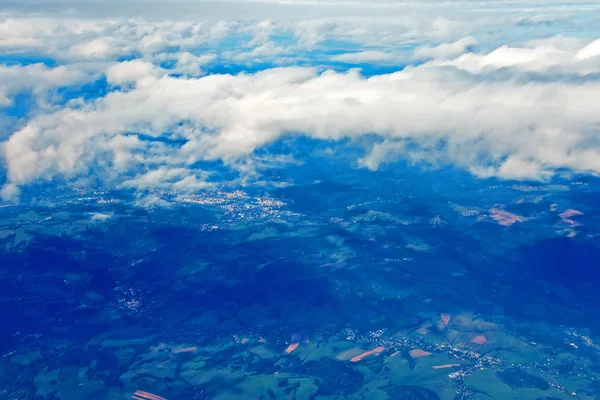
[(324, 281)]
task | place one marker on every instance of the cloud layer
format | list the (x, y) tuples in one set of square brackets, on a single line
[(480, 99)]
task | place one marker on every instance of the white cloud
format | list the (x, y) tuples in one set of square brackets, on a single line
[(37, 79), (560, 42), (81, 40), (539, 59), (185, 62), (130, 72), (491, 127), (101, 217), (590, 51), (10, 191), (445, 50), (267, 50), (167, 178), (50, 35), (543, 18), (518, 105), (261, 32), (101, 48), (367, 56)]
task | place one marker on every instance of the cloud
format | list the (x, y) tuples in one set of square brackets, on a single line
[(266, 50), (101, 217), (492, 127), (442, 51), (368, 56), (81, 40), (101, 48), (445, 50), (481, 91), (262, 32), (543, 58), (592, 50), (37, 79), (10, 191), (186, 63), (560, 42), (130, 72)]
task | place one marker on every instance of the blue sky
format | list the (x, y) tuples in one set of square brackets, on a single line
[(504, 89)]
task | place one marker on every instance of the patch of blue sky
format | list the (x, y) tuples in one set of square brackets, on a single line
[(168, 64), (170, 140), (321, 65), (88, 91), (22, 103), (368, 69), (318, 56), (284, 39), (232, 42), (8, 125), (129, 57), (238, 68), (337, 46), (326, 51), (30, 59)]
